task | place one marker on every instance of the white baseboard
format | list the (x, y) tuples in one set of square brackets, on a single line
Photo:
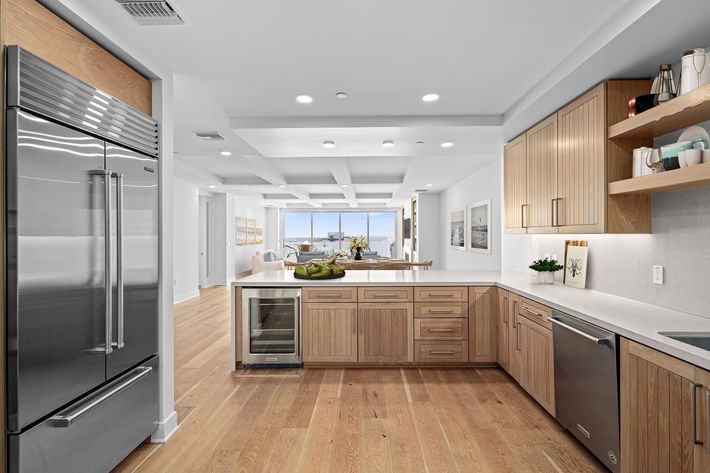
[(165, 429), (185, 296)]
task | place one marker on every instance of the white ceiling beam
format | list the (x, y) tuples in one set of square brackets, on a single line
[(196, 175), (339, 168), (267, 170), (240, 123)]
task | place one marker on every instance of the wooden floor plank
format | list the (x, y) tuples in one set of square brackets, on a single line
[(409, 420)]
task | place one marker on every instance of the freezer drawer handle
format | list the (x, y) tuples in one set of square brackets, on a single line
[(107, 255), (67, 418), (598, 341)]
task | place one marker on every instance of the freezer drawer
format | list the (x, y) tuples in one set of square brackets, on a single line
[(94, 434)]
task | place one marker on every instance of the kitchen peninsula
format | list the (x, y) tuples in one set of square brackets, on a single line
[(478, 297)]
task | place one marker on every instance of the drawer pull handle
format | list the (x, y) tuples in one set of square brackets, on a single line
[(440, 294), (435, 310), (440, 330), (441, 352), (532, 312), (383, 295), (329, 295), (67, 418)]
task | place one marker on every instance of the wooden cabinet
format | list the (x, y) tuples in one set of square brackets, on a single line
[(568, 163), (514, 183), (581, 190), (441, 329), (441, 294), (441, 309), (385, 293), (482, 324), (541, 176), (329, 332), (502, 329), (441, 352), (385, 332), (537, 363), (664, 412), (329, 294)]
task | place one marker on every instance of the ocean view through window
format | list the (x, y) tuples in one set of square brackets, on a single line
[(331, 231)]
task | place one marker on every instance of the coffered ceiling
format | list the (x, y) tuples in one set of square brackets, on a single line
[(239, 66)]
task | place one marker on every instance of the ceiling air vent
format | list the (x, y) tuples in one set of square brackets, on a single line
[(151, 13), (210, 135), (421, 190)]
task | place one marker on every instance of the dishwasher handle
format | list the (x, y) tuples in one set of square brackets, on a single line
[(598, 341)]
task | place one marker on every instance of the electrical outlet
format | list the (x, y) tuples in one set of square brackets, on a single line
[(657, 274)]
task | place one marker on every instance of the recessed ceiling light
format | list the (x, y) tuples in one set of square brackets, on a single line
[(329, 144), (430, 185), (341, 95), (430, 97), (212, 186), (225, 153), (388, 143), (304, 99), (447, 144), (283, 187), (344, 185)]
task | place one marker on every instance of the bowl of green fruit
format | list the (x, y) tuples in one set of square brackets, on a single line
[(328, 269)]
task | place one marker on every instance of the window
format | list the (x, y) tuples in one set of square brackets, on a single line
[(332, 231)]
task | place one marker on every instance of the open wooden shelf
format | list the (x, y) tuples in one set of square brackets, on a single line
[(686, 110), (691, 177)]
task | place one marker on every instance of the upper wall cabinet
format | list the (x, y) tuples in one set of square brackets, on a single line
[(515, 178), (569, 163), (542, 177)]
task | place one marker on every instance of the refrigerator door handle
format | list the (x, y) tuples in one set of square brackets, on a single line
[(119, 257), (108, 347), (67, 418)]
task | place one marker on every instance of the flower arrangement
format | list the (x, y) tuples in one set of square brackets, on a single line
[(358, 244), (341, 254), (545, 265), (546, 269)]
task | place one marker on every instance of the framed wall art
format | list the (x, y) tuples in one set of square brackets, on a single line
[(479, 229)]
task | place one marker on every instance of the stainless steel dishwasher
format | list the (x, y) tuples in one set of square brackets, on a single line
[(587, 385)]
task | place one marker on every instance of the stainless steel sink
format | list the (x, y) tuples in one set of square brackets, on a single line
[(697, 339)]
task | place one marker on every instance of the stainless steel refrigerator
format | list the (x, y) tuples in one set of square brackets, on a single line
[(82, 272)]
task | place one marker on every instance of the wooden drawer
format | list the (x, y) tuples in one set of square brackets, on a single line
[(440, 329), (329, 294), (441, 352), (441, 294), (385, 294), (536, 312), (441, 309)]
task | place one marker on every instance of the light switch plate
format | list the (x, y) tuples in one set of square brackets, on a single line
[(657, 274)]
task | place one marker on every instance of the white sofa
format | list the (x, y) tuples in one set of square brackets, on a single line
[(258, 264)]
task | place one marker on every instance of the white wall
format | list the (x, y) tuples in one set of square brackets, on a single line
[(428, 231), (483, 185), (271, 229), (185, 241)]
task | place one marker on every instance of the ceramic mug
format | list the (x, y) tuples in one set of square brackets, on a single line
[(681, 159), (652, 159), (692, 156)]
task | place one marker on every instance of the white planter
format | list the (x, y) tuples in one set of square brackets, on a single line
[(545, 277)]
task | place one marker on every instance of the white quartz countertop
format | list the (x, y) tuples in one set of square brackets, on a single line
[(632, 319)]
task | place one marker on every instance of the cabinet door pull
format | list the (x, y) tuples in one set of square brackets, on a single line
[(505, 309), (440, 294), (383, 295), (515, 314), (442, 330), (707, 421), (329, 295), (532, 312), (441, 352), (693, 414)]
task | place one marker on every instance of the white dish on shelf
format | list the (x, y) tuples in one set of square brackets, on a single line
[(694, 133)]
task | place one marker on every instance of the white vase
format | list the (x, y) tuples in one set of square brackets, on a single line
[(545, 277)]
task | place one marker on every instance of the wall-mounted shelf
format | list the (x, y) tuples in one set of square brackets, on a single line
[(679, 179), (686, 110)]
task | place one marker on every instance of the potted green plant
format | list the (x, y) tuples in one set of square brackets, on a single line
[(358, 244), (546, 269)]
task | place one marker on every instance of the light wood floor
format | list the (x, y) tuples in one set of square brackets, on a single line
[(352, 420)]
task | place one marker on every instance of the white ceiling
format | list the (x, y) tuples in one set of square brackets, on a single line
[(240, 64)]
